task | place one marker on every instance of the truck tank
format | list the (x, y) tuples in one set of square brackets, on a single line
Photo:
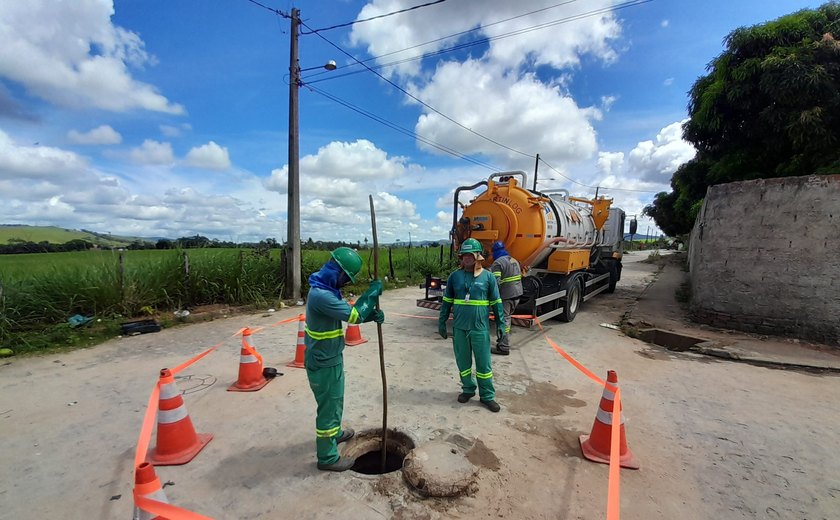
[(532, 225)]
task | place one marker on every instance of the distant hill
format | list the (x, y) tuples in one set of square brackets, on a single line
[(10, 233)]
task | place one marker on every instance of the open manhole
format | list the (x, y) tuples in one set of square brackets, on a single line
[(670, 340), (366, 448)]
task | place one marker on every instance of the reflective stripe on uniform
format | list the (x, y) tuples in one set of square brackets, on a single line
[(497, 274), (494, 302), (511, 278), (488, 375), (328, 334), (475, 303), (606, 417), (332, 432), (168, 391), (354, 316), (171, 416), (448, 299), (466, 373), (247, 359)]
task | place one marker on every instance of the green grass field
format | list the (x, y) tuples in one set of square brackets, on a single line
[(39, 292), (55, 235)]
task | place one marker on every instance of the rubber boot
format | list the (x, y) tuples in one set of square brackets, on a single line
[(346, 435), (463, 398), (493, 406), (342, 464)]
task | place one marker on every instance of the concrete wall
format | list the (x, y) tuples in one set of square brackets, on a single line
[(764, 257)]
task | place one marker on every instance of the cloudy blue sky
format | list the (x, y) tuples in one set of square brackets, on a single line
[(170, 118)]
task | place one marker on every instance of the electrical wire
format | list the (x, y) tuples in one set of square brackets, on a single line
[(402, 130), (588, 186), (433, 109), (484, 26), (313, 31), (275, 11), (481, 41)]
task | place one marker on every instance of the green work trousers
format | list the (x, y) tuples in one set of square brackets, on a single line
[(469, 343), (327, 385)]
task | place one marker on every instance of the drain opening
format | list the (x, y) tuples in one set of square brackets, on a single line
[(670, 340), (371, 463), (366, 447)]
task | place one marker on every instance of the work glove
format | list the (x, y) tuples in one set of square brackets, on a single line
[(442, 329), (379, 317), (366, 303), (500, 333)]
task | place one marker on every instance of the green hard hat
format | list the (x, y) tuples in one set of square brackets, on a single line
[(349, 260), (470, 245)]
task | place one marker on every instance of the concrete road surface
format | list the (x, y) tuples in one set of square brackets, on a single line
[(715, 439)]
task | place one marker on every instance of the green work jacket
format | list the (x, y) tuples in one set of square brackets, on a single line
[(472, 297), (324, 333)]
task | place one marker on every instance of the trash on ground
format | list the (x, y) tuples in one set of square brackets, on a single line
[(78, 320)]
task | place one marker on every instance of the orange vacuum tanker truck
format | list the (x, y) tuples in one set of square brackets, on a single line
[(569, 248)]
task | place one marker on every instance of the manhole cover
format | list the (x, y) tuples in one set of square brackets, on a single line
[(440, 469)]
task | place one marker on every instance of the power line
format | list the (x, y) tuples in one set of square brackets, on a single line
[(481, 41), (433, 109), (275, 11), (591, 187), (402, 130), (444, 38), (313, 31)]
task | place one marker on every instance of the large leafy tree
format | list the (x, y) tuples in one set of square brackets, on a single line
[(768, 107)]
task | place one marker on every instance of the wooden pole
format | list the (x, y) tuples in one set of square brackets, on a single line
[(384, 450)]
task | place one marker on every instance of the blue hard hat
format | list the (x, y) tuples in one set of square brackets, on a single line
[(497, 245)]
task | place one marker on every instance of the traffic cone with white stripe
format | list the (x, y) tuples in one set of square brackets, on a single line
[(147, 486), (177, 442), (300, 349), (596, 446), (251, 376)]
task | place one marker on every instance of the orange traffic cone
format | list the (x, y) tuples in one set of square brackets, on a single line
[(250, 368), (353, 335), (177, 442), (300, 349), (596, 446), (147, 485)]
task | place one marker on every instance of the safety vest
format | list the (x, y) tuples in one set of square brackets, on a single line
[(509, 275), (471, 297)]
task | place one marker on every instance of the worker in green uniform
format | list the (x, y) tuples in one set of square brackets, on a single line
[(473, 292), (324, 339)]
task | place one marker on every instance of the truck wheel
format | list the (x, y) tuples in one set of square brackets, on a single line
[(574, 297), (612, 268)]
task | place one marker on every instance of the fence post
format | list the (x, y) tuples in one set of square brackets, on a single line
[(187, 278), (121, 273), (391, 265), (409, 260), (441, 255)]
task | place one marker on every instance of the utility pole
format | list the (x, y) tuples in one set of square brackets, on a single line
[(292, 286), (536, 170)]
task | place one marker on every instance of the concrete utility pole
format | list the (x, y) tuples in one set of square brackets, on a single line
[(292, 287)]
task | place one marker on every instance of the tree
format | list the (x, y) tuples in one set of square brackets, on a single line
[(768, 107)]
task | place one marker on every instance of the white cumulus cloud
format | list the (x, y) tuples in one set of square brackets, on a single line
[(103, 134), (153, 152), (657, 160), (71, 54), (209, 156)]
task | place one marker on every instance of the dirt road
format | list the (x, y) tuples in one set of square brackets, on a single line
[(715, 439)]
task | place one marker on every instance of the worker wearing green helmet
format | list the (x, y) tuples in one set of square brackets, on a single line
[(324, 339), (473, 292)]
